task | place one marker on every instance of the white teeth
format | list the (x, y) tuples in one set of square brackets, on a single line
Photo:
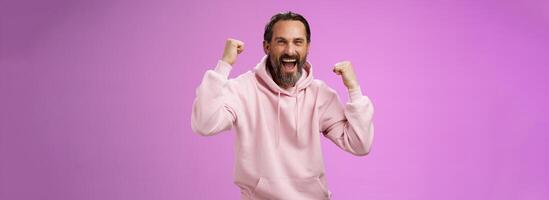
[(288, 60)]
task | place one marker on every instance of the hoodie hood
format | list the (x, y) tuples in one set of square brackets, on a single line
[(265, 79)]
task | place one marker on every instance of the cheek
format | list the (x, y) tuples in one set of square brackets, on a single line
[(275, 53), (303, 51), (279, 49)]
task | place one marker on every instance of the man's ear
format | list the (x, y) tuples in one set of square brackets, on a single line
[(266, 47)]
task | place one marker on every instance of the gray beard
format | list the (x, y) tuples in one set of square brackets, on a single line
[(284, 80)]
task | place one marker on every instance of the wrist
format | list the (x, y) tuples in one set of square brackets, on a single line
[(227, 61), (353, 86)]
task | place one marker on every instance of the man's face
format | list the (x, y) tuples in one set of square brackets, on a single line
[(287, 52)]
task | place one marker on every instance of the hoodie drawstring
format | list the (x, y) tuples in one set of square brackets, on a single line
[(277, 134), (296, 114)]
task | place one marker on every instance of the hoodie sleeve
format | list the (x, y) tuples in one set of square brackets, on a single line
[(215, 105), (350, 127)]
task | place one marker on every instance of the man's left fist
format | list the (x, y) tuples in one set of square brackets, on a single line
[(345, 69)]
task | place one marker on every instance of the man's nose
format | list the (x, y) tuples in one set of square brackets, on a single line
[(290, 49)]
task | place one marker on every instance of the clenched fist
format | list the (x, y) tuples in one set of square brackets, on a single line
[(232, 48), (345, 70)]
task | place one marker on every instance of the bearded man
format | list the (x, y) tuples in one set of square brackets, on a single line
[(279, 112)]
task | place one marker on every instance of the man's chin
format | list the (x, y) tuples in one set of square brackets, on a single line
[(290, 74)]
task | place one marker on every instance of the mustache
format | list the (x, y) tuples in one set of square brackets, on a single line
[(286, 56)]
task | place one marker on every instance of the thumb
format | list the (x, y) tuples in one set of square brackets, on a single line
[(239, 47), (337, 70)]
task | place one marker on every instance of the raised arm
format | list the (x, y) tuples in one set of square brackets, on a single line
[(215, 107), (350, 127)]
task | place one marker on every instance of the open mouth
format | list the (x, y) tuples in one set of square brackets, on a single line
[(289, 64)]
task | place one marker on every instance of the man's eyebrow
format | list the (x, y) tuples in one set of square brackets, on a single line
[(281, 38)]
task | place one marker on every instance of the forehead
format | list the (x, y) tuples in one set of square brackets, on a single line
[(289, 29)]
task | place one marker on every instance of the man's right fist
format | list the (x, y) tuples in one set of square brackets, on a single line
[(232, 48)]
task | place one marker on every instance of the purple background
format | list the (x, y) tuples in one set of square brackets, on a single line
[(96, 96)]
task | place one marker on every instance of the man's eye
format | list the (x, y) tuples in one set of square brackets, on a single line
[(280, 42)]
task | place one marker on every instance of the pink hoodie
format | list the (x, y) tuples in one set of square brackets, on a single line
[(278, 152)]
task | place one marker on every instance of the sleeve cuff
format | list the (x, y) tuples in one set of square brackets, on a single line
[(355, 94), (223, 68)]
